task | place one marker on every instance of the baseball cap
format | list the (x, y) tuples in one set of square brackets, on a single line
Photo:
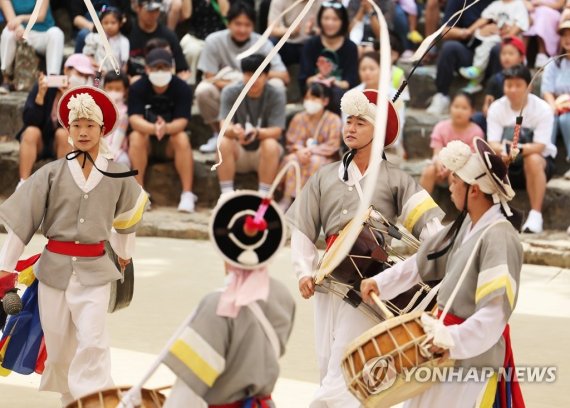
[(150, 5), (81, 63), (563, 26), (515, 42), (158, 56)]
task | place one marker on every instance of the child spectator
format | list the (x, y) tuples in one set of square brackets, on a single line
[(457, 127), (405, 24), (544, 17), (111, 19), (500, 19), (513, 52), (117, 86), (312, 140)]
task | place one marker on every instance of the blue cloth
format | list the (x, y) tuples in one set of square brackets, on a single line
[(26, 335), (26, 7)]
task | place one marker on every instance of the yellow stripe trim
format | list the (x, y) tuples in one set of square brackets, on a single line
[(204, 371), (417, 212), (495, 284), (488, 398), (124, 224)]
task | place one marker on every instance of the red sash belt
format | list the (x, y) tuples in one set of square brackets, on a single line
[(253, 402), (73, 249), (516, 397)]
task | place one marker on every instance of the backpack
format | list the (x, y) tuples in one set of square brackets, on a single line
[(25, 67)]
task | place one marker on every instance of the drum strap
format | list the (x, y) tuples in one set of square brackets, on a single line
[(267, 327)]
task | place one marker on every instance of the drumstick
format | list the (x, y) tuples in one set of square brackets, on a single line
[(387, 313)]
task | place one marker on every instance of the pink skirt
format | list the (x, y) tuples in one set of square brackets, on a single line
[(544, 24)]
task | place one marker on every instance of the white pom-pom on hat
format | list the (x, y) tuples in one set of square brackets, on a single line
[(455, 155), (83, 106), (355, 103)]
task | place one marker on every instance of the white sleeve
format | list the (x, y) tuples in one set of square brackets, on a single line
[(11, 251), (479, 332), (494, 126), (182, 395), (432, 227), (398, 278), (304, 254), (122, 244)]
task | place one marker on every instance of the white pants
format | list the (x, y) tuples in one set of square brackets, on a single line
[(336, 325), (192, 48), (449, 395), (77, 342), (483, 51), (48, 43)]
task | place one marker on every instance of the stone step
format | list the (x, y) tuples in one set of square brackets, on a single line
[(551, 248)]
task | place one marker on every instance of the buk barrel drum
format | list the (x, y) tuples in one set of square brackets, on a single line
[(111, 398), (374, 364), (370, 254)]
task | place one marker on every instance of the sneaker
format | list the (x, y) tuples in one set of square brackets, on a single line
[(187, 202), (541, 60), (415, 37), (567, 175), (4, 89), (472, 87), (568, 230), (470, 72), (211, 145), (406, 57), (533, 223), (439, 104)]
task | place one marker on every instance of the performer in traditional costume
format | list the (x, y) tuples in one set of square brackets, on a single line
[(228, 354), (483, 247), (329, 201), (78, 208)]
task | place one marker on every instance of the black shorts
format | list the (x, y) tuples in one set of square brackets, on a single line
[(517, 177)]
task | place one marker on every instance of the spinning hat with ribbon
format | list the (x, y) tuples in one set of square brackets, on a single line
[(247, 229), (484, 168)]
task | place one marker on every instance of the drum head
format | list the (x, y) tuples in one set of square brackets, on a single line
[(228, 236), (331, 258)]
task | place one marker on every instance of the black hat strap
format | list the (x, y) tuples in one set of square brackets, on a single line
[(86, 156)]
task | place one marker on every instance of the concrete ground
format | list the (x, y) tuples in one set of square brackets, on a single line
[(172, 276)]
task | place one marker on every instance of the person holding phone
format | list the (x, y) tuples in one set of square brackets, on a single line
[(251, 142), (45, 37), (41, 136)]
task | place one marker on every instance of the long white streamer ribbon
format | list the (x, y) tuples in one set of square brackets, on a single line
[(108, 51)]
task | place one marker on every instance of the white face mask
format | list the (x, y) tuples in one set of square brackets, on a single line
[(160, 78), (116, 96), (312, 107), (76, 80)]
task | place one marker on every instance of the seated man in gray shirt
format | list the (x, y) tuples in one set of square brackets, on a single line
[(252, 141), (220, 67)]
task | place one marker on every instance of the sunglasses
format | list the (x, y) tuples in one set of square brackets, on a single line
[(332, 4)]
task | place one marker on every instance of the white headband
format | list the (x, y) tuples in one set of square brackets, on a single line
[(355, 103), (83, 106)]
